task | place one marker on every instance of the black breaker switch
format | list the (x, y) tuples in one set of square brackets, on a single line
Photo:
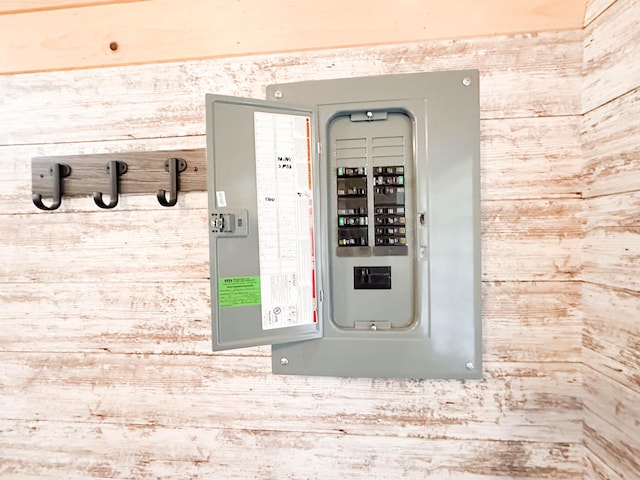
[(353, 220), (369, 278)]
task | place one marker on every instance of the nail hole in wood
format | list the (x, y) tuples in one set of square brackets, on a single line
[(113, 46)]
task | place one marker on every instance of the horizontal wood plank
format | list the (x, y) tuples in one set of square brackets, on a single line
[(530, 402), (612, 240), (611, 146), (165, 317), (620, 451), (174, 317), (594, 8), (537, 240), (169, 244), (611, 54), (77, 451), (617, 211), (596, 469), (530, 158), (544, 317), (170, 30), (614, 257), (521, 240), (611, 333), (617, 405), (167, 100)]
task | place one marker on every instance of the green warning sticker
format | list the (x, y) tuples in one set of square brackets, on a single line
[(239, 291)]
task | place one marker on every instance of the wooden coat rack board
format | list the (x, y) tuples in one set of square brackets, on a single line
[(163, 173)]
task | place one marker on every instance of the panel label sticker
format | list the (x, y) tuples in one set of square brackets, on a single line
[(238, 291), (285, 219), (221, 198)]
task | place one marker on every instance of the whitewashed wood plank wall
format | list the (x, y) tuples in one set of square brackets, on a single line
[(107, 370), (105, 362), (611, 249)]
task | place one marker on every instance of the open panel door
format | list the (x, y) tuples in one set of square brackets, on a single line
[(260, 176)]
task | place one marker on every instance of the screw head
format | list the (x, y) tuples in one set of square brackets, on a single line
[(369, 114), (284, 361), (373, 327), (466, 81), (278, 94), (470, 366)]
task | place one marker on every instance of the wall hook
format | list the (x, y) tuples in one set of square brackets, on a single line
[(114, 169), (58, 171), (174, 166)]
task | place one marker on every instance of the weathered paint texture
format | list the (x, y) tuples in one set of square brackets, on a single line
[(105, 344), (611, 247)]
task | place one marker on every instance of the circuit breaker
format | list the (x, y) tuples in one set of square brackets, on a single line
[(344, 225)]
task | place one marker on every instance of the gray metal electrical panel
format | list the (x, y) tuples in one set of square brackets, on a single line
[(345, 225)]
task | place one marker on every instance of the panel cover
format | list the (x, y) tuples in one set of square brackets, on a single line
[(261, 223)]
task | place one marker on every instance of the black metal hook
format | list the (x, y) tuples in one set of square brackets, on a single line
[(114, 169), (58, 171), (174, 166)]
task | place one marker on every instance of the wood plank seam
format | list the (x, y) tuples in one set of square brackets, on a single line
[(614, 288), (585, 26), (604, 374), (596, 455), (631, 91), (511, 117), (230, 354), (327, 431), (611, 194), (62, 6), (622, 433), (114, 140)]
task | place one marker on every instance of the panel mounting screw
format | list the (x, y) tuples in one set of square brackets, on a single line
[(470, 366), (466, 81), (278, 94), (284, 361), (369, 114), (373, 327)]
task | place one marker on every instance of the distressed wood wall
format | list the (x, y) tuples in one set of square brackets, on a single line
[(105, 341), (611, 251)]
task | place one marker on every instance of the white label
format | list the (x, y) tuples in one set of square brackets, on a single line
[(285, 219), (221, 198)]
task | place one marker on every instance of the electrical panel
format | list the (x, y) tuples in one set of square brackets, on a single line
[(344, 225)]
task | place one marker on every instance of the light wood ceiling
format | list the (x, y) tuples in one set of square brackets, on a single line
[(41, 35)]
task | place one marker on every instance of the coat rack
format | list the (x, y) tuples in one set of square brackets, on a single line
[(163, 173)]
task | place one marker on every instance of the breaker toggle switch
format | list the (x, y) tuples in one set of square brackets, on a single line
[(370, 278), (223, 222)]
